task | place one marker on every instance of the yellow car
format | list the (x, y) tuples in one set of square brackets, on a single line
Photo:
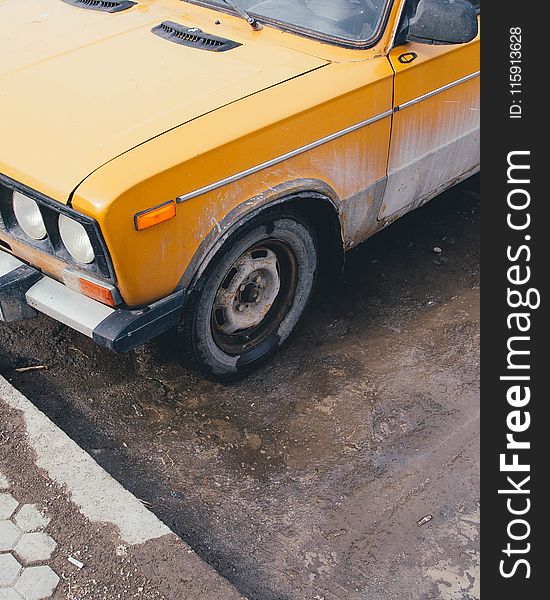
[(197, 164)]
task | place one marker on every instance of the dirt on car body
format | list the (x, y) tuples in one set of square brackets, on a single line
[(314, 478)]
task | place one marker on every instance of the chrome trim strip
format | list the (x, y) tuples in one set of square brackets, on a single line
[(67, 306), (279, 159), (437, 91), (329, 138)]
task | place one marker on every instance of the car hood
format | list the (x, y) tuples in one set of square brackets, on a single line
[(80, 87)]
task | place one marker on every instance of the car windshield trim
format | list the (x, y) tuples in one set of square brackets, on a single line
[(318, 36)]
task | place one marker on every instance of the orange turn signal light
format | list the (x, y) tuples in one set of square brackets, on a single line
[(154, 216), (97, 292), (105, 293)]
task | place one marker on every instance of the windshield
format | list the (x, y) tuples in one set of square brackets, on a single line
[(348, 20)]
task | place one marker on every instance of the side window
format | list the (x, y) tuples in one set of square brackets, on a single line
[(408, 12)]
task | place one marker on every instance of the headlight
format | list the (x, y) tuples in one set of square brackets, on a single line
[(76, 240), (28, 216)]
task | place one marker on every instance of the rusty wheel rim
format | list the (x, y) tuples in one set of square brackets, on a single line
[(254, 297)]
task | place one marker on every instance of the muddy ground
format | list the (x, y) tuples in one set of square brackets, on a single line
[(307, 481)]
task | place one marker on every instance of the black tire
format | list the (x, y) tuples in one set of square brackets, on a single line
[(231, 323)]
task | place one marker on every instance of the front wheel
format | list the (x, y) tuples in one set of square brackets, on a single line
[(250, 298)]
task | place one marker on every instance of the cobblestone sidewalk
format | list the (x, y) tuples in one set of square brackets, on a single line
[(25, 549), (69, 531)]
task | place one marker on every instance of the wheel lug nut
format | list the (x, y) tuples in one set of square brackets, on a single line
[(240, 308), (257, 279)]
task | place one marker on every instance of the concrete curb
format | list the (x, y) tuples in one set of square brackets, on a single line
[(101, 499)]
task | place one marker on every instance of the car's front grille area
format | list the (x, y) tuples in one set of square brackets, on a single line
[(52, 244), (110, 6), (193, 37)]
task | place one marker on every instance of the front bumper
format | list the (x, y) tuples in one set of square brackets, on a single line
[(25, 291)]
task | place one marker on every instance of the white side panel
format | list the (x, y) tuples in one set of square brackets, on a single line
[(437, 140)]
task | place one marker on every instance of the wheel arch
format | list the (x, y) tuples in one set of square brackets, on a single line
[(314, 199)]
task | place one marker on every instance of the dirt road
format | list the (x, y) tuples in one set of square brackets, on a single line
[(308, 480)]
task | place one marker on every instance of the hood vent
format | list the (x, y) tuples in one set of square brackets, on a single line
[(110, 6), (192, 36)]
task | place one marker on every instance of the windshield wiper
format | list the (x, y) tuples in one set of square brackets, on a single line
[(250, 20)]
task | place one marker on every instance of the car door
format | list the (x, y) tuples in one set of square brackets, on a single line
[(435, 130)]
